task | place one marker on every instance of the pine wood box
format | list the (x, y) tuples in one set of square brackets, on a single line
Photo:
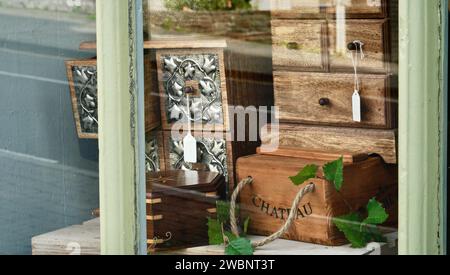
[(178, 205), (267, 200)]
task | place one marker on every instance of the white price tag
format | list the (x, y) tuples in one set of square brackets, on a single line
[(356, 102), (189, 142), (190, 149)]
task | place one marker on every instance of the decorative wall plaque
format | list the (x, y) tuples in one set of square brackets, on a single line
[(82, 75)]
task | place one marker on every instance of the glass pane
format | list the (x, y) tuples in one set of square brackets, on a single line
[(297, 95), (48, 150)]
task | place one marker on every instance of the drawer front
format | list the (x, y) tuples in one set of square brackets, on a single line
[(357, 8), (297, 9), (370, 32), (316, 98), (214, 153), (298, 44), (200, 72), (329, 8)]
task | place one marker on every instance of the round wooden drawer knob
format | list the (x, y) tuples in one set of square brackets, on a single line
[(324, 102), (292, 46)]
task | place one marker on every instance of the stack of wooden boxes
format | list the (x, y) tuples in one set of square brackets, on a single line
[(219, 77), (216, 77), (314, 76)]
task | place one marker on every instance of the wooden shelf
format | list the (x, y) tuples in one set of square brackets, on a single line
[(87, 236), (169, 44)]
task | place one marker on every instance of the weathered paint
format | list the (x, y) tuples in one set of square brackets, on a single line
[(444, 124), (117, 133), (420, 134), (138, 29)]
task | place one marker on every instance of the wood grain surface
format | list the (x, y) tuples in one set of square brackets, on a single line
[(373, 33), (267, 199), (299, 44), (298, 97), (295, 9), (353, 140)]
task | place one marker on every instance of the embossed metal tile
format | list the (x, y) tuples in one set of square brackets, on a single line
[(180, 74)]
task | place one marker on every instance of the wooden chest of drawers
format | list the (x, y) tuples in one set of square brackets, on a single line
[(314, 62)]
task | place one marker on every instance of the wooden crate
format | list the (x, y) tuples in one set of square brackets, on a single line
[(178, 205), (267, 204)]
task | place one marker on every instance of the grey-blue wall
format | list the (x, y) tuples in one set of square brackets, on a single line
[(48, 177)]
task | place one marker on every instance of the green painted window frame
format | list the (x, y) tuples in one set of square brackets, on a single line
[(422, 130), (121, 130), (422, 126)]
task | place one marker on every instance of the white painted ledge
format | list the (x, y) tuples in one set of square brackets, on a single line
[(86, 237)]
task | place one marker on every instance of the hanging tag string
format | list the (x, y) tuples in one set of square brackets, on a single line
[(189, 112), (355, 61)]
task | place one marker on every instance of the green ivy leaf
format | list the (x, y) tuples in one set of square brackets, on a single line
[(223, 211), (350, 225), (334, 172), (376, 213), (375, 234), (231, 237), (307, 173), (215, 232), (239, 246)]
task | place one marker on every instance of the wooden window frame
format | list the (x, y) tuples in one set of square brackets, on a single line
[(422, 126)]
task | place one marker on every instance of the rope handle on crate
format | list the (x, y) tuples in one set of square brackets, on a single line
[(292, 215)]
